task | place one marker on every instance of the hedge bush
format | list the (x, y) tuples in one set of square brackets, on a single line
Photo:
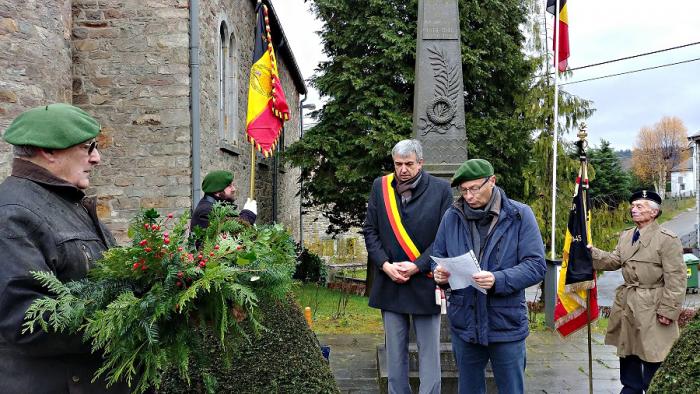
[(680, 372), (310, 267), (283, 358)]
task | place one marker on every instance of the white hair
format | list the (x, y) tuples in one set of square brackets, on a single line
[(652, 205), (404, 148)]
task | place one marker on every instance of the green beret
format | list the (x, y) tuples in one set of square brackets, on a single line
[(54, 126), (216, 181), (472, 169)]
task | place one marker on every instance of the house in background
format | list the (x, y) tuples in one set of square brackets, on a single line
[(168, 81), (683, 179)]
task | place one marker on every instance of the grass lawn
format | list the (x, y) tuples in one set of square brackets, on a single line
[(329, 316), (334, 312)]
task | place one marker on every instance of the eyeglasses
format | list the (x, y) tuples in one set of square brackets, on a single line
[(91, 146), (474, 189)]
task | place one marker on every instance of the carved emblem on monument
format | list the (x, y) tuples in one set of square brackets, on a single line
[(441, 109)]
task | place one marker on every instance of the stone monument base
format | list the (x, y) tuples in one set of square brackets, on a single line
[(447, 363)]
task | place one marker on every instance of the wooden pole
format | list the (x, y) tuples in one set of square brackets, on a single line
[(252, 172)]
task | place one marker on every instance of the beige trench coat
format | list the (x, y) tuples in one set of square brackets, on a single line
[(655, 282)]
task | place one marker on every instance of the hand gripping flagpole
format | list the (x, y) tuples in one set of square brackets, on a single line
[(581, 145), (252, 171)]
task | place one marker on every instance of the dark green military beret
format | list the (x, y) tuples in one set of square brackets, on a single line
[(54, 126), (472, 169), (216, 181)]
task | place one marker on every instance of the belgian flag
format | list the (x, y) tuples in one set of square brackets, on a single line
[(577, 275), (267, 105), (561, 32)]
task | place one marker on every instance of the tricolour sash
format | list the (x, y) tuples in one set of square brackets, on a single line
[(392, 211)]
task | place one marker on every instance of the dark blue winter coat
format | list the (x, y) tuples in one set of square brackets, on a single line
[(514, 253), (421, 217)]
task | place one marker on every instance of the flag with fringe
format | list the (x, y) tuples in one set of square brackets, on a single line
[(561, 32), (577, 276), (267, 104)]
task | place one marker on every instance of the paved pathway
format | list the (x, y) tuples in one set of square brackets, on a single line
[(554, 365), (683, 223)]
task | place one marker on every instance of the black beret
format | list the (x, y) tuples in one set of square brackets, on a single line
[(646, 195)]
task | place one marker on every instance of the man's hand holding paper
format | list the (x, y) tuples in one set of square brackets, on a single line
[(462, 271)]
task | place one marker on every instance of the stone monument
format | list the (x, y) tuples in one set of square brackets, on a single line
[(438, 105)]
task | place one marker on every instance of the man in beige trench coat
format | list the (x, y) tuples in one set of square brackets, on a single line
[(643, 322)]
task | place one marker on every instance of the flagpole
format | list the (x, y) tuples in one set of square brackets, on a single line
[(590, 351), (582, 134), (252, 171), (556, 133)]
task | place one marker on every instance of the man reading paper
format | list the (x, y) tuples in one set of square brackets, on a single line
[(505, 238)]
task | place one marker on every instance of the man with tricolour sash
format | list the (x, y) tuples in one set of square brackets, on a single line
[(403, 215)]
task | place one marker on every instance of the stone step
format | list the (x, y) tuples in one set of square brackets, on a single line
[(449, 373), (444, 330), (447, 360)]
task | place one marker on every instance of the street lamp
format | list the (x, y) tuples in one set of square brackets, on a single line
[(302, 107)]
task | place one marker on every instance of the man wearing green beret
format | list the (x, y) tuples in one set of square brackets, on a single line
[(403, 214), (218, 187), (48, 224), (489, 322)]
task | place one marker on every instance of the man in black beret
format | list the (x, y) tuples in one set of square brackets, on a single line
[(491, 322), (218, 187), (403, 214), (48, 224), (643, 323)]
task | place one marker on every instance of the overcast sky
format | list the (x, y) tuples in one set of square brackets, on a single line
[(600, 30)]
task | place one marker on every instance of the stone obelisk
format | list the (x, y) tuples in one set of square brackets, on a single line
[(438, 106)]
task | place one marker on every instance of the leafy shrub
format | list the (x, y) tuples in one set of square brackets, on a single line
[(680, 372), (310, 267)]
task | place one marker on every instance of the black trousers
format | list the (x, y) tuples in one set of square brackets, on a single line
[(636, 374)]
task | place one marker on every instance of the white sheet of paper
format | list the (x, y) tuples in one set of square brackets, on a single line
[(461, 269)]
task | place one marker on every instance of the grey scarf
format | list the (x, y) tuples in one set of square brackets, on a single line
[(482, 220), (405, 189)]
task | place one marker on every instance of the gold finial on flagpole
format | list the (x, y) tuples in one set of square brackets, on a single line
[(582, 132)]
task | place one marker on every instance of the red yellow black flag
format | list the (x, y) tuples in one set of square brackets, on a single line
[(267, 104), (577, 276), (561, 32)]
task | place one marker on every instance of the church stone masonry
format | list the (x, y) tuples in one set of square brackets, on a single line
[(127, 63)]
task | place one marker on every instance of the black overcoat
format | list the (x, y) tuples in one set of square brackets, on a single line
[(421, 217)]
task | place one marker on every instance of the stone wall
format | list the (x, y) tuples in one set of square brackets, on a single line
[(35, 60), (348, 247), (230, 150), (131, 71)]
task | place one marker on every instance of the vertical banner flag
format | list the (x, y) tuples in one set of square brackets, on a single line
[(267, 105), (577, 275), (561, 32)]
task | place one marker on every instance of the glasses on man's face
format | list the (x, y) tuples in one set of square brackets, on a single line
[(90, 146), (474, 189)]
